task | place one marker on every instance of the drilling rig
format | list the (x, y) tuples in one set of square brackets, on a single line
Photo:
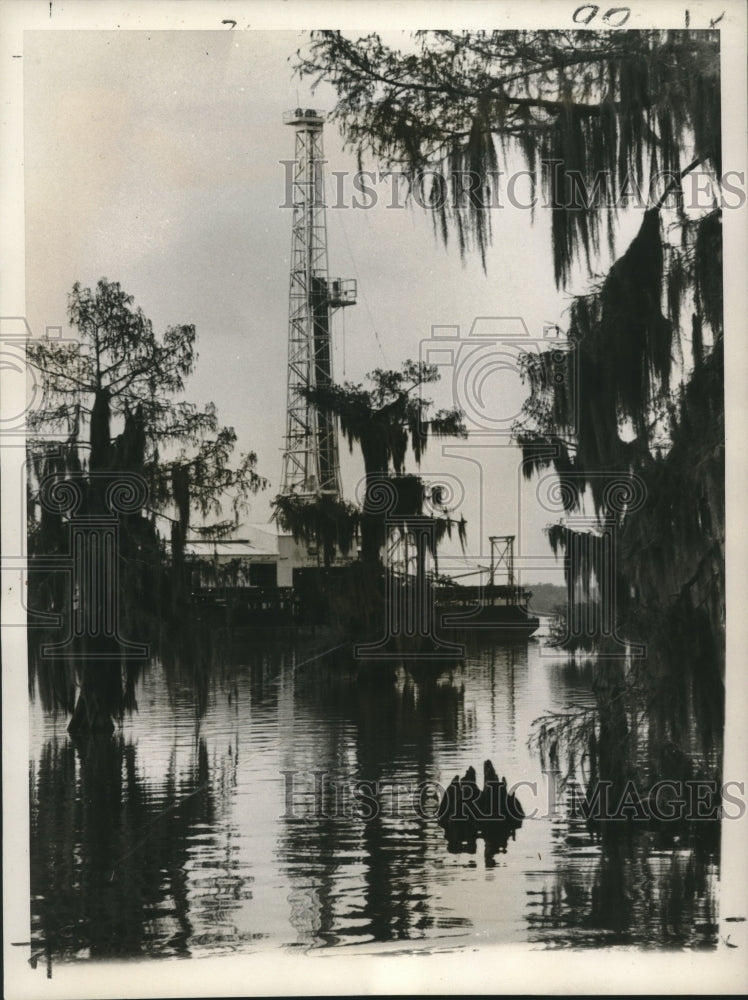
[(311, 464)]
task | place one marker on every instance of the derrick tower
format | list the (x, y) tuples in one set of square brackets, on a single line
[(311, 465)]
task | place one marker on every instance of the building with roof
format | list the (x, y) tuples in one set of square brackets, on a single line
[(260, 555)]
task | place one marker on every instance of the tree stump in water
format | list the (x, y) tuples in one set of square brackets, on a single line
[(467, 812)]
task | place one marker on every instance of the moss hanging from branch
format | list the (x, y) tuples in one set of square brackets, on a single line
[(593, 115), (383, 421), (708, 270), (633, 327), (670, 550), (326, 522), (617, 371), (410, 493)]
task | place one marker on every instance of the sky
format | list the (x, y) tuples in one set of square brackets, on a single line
[(155, 159)]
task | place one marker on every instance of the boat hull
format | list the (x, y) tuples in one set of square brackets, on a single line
[(512, 621)]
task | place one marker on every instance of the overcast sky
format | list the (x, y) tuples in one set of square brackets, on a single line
[(154, 159)]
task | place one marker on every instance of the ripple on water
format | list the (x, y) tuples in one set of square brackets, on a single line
[(211, 857)]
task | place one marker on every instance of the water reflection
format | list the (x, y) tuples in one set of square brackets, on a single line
[(117, 861), (363, 870), (628, 892), (175, 836)]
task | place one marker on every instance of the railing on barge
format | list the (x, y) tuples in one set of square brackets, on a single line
[(247, 605), (483, 595)]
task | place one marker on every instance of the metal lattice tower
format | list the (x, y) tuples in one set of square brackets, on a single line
[(502, 555), (310, 462)]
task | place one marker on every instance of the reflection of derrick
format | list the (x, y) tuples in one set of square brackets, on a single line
[(310, 462)]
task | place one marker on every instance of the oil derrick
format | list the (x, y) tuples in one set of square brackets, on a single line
[(311, 466)]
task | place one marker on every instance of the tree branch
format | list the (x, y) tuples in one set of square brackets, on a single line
[(675, 182)]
